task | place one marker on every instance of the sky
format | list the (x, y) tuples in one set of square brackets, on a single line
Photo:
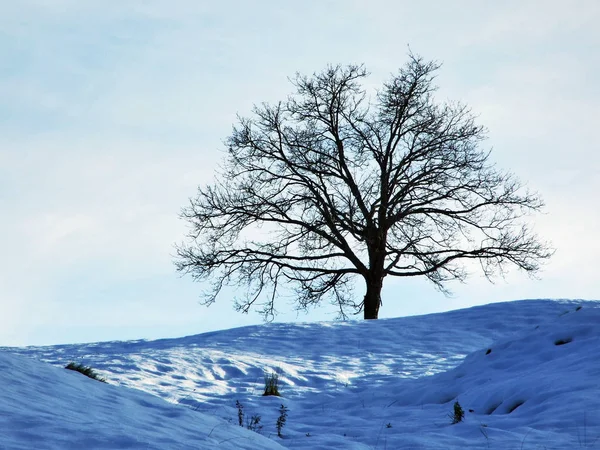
[(113, 113)]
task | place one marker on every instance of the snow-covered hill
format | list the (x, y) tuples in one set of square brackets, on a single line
[(527, 374), (44, 407)]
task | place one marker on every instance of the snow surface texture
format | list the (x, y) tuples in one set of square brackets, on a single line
[(44, 407), (527, 374)]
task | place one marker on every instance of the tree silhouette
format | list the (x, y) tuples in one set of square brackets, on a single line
[(331, 184)]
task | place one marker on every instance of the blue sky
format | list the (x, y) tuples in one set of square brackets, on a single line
[(112, 114)]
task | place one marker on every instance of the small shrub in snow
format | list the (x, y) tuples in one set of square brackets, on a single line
[(458, 414), (240, 412), (85, 370), (272, 384), (253, 424), (283, 412)]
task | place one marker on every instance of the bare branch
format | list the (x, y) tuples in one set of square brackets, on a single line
[(328, 185)]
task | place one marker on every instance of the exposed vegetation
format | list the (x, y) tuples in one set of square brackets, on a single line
[(85, 370), (283, 413), (272, 384), (458, 413)]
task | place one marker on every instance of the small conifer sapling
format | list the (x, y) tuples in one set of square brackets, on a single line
[(283, 413)]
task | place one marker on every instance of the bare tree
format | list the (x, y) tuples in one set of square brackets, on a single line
[(331, 184)]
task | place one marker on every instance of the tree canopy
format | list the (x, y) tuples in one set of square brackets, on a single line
[(335, 183)]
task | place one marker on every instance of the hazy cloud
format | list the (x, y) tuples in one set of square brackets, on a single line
[(112, 114)]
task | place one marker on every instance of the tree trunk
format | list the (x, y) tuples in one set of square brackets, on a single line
[(373, 298), (374, 278)]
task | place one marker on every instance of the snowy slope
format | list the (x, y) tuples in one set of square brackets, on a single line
[(373, 385), (44, 407)]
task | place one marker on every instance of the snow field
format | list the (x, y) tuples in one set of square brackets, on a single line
[(527, 374)]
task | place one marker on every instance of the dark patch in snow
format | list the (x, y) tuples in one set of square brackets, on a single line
[(515, 406), (492, 408), (563, 341)]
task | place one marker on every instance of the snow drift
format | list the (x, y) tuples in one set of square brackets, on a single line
[(526, 374)]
